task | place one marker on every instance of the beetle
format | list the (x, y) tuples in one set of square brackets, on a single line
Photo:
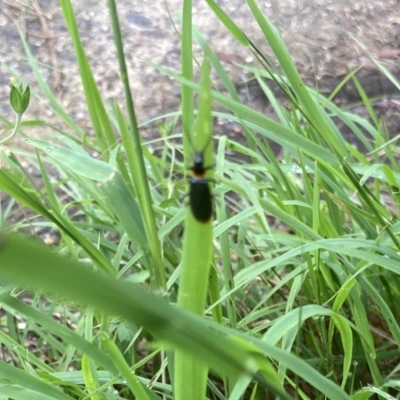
[(200, 197)]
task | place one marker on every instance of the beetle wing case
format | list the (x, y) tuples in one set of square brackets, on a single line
[(200, 199)]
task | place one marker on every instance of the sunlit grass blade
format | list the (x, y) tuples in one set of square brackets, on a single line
[(125, 206), (141, 187), (98, 114), (385, 71), (187, 103), (57, 329), (312, 110), (266, 126), (224, 243), (28, 198), (366, 101), (228, 22), (37, 267), (21, 352), (22, 378), (136, 386)]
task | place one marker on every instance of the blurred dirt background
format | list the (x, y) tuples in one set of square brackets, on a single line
[(326, 38)]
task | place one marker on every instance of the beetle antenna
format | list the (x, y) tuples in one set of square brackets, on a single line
[(207, 143), (192, 145)]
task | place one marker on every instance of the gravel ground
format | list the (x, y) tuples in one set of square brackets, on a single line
[(321, 35)]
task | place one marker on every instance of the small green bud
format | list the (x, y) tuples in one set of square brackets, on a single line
[(19, 97)]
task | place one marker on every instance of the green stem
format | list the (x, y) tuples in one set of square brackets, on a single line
[(136, 387), (190, 374), (14, 131)]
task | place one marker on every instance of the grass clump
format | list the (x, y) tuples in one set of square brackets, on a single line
[(301, 262)]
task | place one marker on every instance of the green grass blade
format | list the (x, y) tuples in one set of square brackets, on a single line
[(133, 148), (312, 110), (229, 24), (98, 114), (63, 332), (125, 206), (29, 264), (19, 377), (187, 103)]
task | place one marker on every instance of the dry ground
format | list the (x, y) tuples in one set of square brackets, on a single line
[(321, 36)]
